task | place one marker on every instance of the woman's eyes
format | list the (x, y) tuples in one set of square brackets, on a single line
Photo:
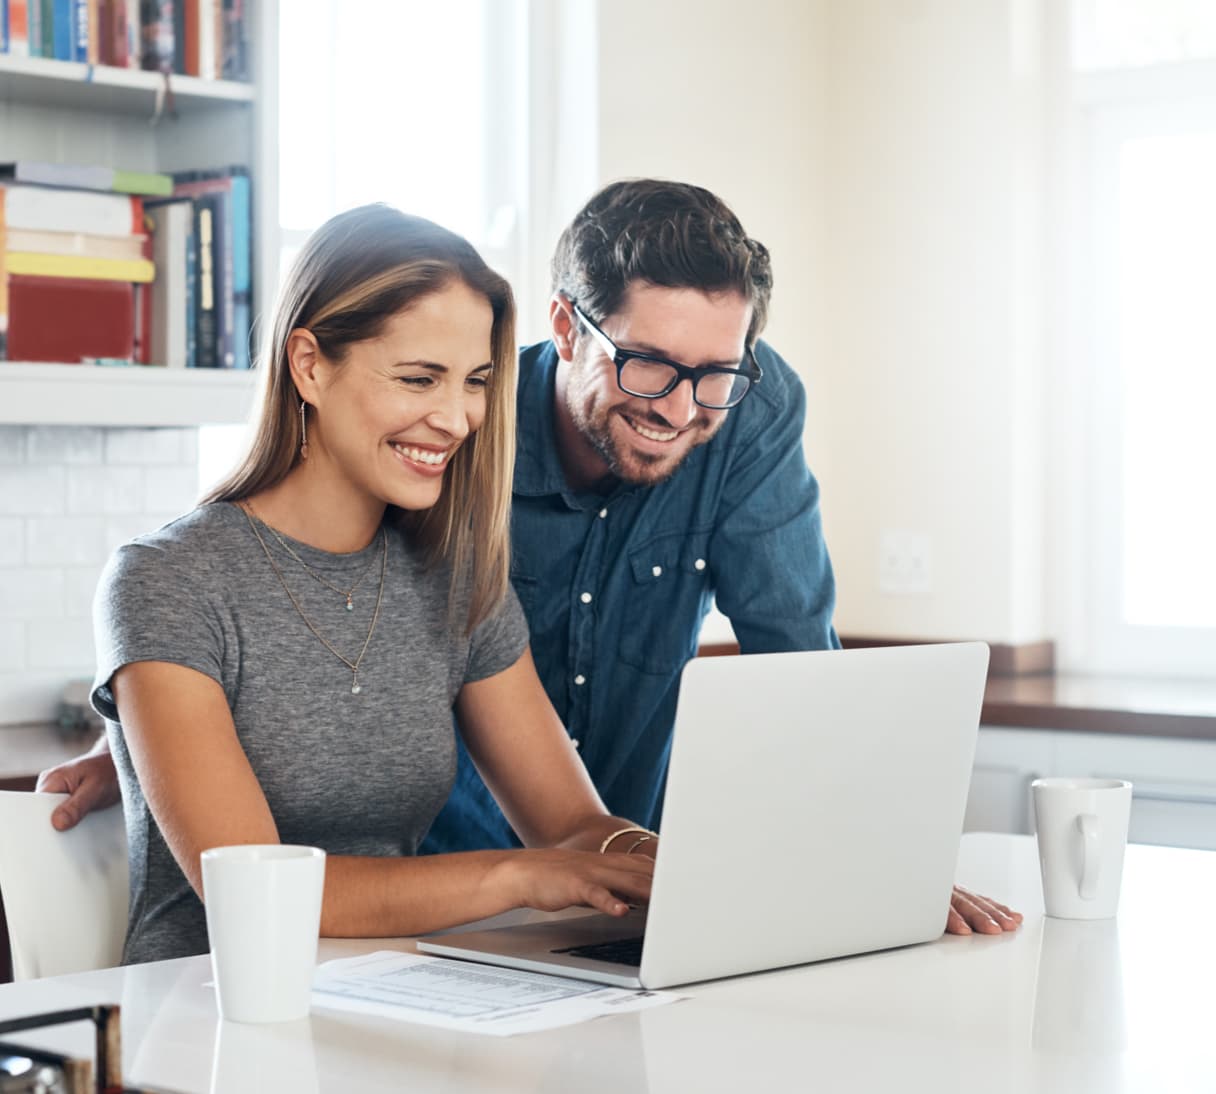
[(478, 382)]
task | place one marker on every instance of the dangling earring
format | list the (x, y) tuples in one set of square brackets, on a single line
[(303, 431)]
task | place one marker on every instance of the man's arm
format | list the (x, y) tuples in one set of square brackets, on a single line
[(91, 781), (772, 575)]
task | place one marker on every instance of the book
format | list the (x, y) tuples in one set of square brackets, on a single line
[(44, 209), (172, 297), (34, 26), (156, 35), (3, 26), (206, 328), (189, 10), (80, 267), (229, 193), (80, 30), (84, 177), (61, 29), (131, 247), (18, 28), (67, 320)]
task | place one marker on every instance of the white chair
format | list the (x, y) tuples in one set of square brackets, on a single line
[(65, 893)]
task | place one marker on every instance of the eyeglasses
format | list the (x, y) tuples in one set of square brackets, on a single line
[(651, 377)]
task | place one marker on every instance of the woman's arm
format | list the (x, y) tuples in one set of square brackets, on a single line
[(548, 798), (203, 793)]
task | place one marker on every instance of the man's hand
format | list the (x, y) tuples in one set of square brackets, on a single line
[(91, 781), (970, 912)]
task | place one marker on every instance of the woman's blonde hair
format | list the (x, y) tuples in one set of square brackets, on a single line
[(355, 273)]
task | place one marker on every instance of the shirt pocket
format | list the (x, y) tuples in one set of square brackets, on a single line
[(665, 599)]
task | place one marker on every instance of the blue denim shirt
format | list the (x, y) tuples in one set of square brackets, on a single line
[(738, 522)]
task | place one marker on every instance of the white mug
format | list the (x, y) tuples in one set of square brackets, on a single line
[(263, 904), (1082, 830)]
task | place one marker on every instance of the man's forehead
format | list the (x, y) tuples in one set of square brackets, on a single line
[(684, 323)]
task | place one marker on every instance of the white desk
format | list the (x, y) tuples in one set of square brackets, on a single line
[(1128, 1005)]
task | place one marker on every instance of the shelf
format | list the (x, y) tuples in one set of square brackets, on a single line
[(33, 394), (46, 82)]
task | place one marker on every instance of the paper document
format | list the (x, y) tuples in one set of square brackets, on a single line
[(439, 991)]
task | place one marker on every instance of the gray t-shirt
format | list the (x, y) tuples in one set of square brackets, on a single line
[(356, 774)]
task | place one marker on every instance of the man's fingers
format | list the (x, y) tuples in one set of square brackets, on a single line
[(975, 916)]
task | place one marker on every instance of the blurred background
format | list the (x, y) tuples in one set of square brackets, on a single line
[(994, 244)]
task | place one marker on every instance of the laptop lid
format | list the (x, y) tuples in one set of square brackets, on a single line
[(813, 809)]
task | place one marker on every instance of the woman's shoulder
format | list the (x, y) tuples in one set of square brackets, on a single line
[(190, 542)]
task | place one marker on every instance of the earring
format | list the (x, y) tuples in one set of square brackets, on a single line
[(303, 431)]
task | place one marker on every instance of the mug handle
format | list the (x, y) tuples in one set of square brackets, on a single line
[(1091, 862)]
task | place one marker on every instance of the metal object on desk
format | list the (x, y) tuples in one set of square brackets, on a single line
[(33, 1071)]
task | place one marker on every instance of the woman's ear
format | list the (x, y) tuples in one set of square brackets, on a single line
[(305, 361), (563, 324)]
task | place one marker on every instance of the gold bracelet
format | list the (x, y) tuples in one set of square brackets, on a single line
[(622, 831), (637, 843)]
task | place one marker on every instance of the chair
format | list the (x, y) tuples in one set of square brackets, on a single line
[(65, 893)]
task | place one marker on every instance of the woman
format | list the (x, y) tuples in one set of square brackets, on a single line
[(281, 664)]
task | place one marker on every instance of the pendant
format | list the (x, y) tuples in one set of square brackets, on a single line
[(349, 606), (355, 689)]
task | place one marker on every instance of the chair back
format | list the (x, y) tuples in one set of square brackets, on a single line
[(65, 893)]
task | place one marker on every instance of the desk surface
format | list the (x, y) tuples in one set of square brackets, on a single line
[(1125, 1005)]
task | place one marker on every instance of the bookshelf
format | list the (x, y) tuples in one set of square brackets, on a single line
[(65, 112)]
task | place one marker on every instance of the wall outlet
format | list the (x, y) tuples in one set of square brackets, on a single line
[(905, 563)]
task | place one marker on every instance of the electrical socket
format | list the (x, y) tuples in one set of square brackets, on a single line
[(905, 563)]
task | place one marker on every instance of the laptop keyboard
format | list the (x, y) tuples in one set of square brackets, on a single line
[(619, 951)]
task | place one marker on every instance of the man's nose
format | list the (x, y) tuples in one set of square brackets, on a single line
[(677, 407)]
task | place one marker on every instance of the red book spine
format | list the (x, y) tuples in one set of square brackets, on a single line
[(69, 320)]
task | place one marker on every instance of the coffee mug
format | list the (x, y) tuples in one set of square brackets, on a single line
[(1082, 830), (263, 905)]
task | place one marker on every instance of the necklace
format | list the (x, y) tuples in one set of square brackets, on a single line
[(347, 593), (355, 686)]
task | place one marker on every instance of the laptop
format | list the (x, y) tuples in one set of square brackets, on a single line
[(813, 810)]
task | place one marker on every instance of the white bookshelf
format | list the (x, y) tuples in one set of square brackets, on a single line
[(137, 396), (65, 112)]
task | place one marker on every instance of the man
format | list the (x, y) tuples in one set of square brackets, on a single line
[(659, 468)]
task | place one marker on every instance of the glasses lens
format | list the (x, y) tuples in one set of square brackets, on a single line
[(721, 389), (640, 377)]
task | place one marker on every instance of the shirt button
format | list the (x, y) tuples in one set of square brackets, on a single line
[(585, 598), (580, 680), (574, 741), (699, 564), (657, 571), (603, 513)]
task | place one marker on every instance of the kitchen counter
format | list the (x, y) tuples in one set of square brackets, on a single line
[(28, 749)]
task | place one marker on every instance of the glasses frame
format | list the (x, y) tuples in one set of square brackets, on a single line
[(621, 357)]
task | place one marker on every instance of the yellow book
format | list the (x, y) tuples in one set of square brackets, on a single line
[(93, 269)]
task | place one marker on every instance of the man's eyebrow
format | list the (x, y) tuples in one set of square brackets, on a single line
[(658, 351)]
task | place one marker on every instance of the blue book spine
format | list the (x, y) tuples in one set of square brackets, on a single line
[(80, 30), (63, 23), (242, 236)]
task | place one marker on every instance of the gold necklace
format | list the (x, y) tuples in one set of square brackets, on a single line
[(347, 593), (355, 686)]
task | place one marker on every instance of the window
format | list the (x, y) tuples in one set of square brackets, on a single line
[(1145, 99)]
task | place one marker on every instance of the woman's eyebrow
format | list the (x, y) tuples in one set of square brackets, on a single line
[(436, 366)]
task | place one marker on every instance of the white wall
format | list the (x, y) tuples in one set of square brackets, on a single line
[(68, 497), (932, 409), (730, 96)]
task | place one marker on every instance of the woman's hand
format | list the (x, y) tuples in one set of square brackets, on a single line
[(553, 880), (91, 781), (970, 912)]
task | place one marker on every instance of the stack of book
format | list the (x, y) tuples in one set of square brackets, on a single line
[(207, 38), (101, 266)]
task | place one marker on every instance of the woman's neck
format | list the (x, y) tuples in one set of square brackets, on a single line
[(328, 515)]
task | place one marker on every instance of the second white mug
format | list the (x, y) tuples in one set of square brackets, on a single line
[(1082, 831)]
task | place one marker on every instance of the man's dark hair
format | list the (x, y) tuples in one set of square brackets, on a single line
[(664, 233)]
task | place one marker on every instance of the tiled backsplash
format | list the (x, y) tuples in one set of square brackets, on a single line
[(68, 497)]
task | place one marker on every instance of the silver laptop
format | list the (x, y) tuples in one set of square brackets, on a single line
[(814, 807)]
